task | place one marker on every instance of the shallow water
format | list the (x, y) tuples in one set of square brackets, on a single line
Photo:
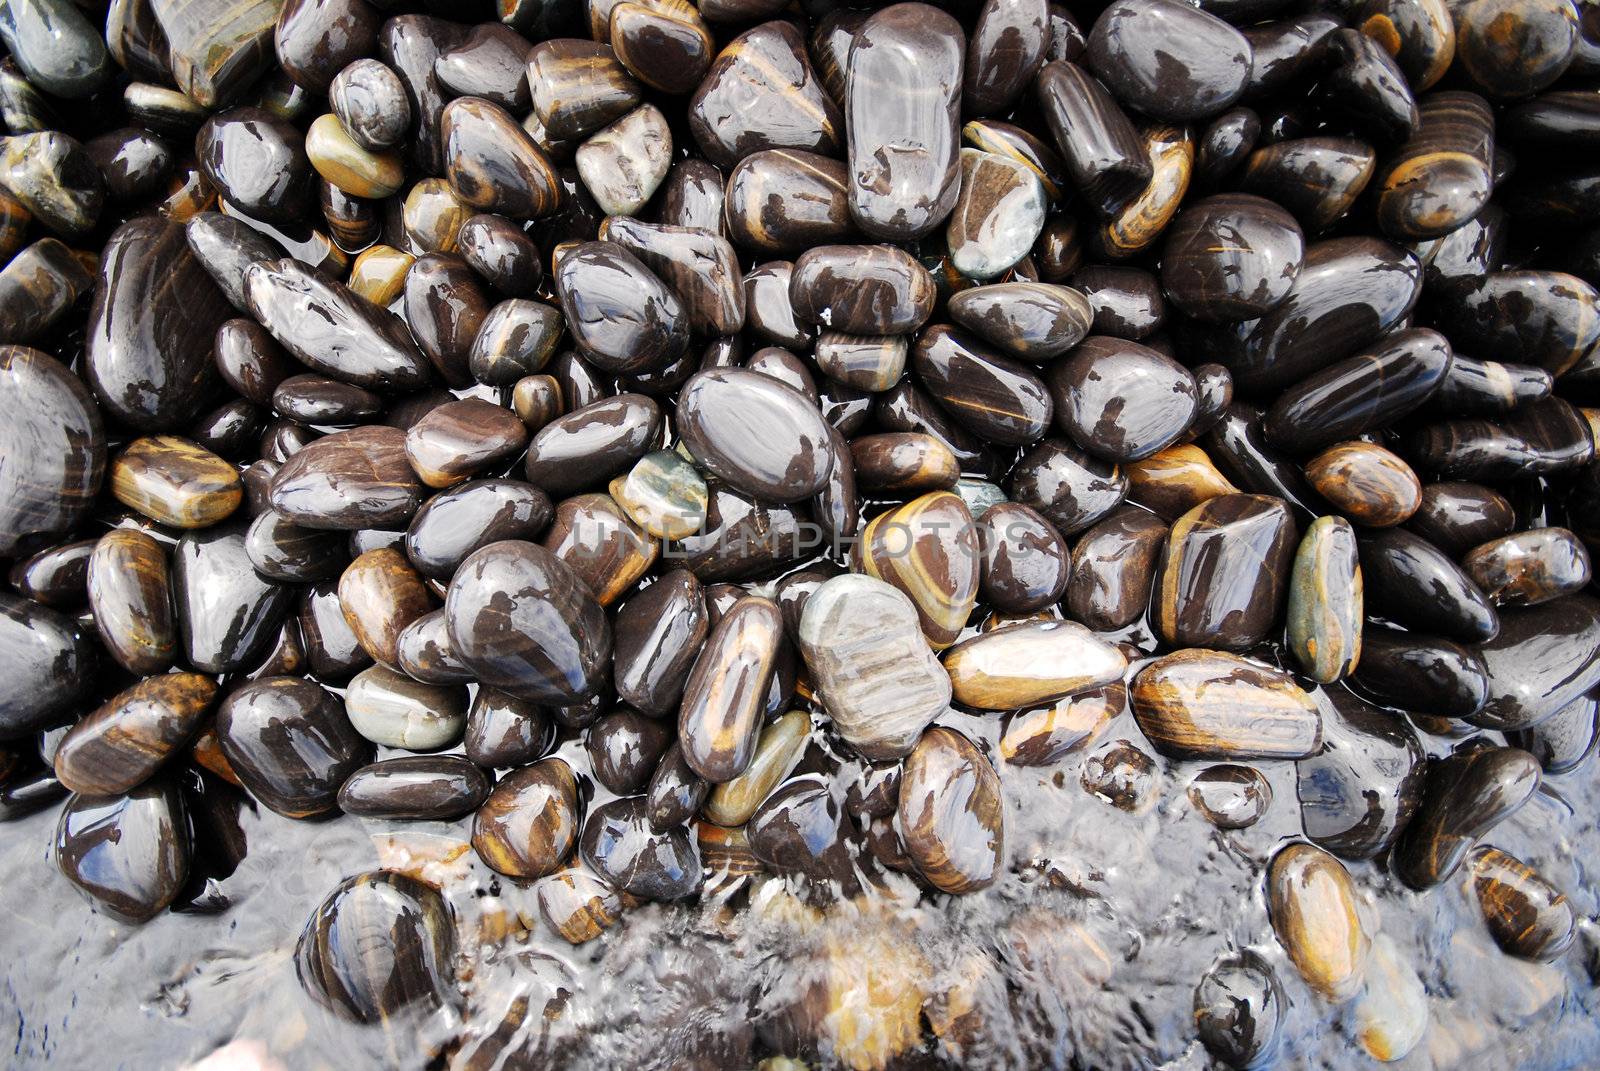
[(1087, 952)]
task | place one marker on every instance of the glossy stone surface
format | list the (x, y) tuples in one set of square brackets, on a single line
[(1104, 155), (492, 163), (912, 53), (1529, 917), (525, 624), (1137, 226), (176, 482), (1440, 178), (1026, 565), (783, 201), (928, 549), (129, 853), (1542, 659), (1362, 788), (1239, 1008), (1231, 257), (864, 648), (55, 179), (1119, 400), (55, 424), (951, 816), (396, 711), (122, 743), (1207, 704), (996, 397), (699, 266), (1466, 795), (1313, 906), (622, 315), (155, 313), (257, 162), (1371, 485), (504, 731), (719, 717), (659, 633), (778, 751), (290, 743), (528, 825), (624, 749), (593, 443), (860, 290), (459, 439), (1326, 601), (1033, 321), (453, 524), (1069, 488), (594, 537), (1224, 575), (381, 594), (1413, 583), (997, 216), (227, 613), (1169, 60), (349, 480), (332, 330), (1030, 664), (1530, 567), (408, 920), (757, 434), (620, 846), (761, 93), (37, 287)]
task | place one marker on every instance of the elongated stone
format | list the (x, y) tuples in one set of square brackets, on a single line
[(1326, 605), (1312, 903), (1029, 664), (1467, 794), (393, 710), (878, 680), (128, 853), (176, 482), (53, 422), (951, 816), (124, 742), (1529, 917), (1390, 1014), (1207, 704), (719, 718), (349, 480), (1530, 567)]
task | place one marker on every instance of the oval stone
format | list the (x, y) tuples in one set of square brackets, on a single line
[(1207, 704), (1030, 664), (1313, 906), (761, 436), (951, 817)]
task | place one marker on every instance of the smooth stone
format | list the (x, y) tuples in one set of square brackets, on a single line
[(1371, 485), (53, 422), (1034, 321), (1413, 583), (226, 248), (1069, 488), (1224, 575), (317, 39), (1514, 49), (593, 443), (415, 788), (1208, 704), (38, 287), (128, 853), (1047, 735), (1318, 179), (1544, 658), (1239, 1007), (860, 290), (454, 523), (1145, 218), (997, 398), (381, 594), (699, 265), (1231, 257), (663, 494), (396, 711), (669, 49), (1360, 393), (291, 744), (997, 216), (410, 45), (56, 47), (1441, 176), (1529, 917), (136, 163), (1390, 1014), (121, 744), (1564, 741), (492, 163), (1312, 903), (757, 434), (525, 624), (462, 438), (500, 252), (619, 845), (490, 62), (257, 162), (1113, 569), (1230, 797), (1169, 60), (659, 633), (1104, 154), (1026, 564), (1366, 88), (1176, 480), (743, 539), (784, 201), (371, 103), (528, 825), (762, 93), (929, 550), (951, 814), (226, 611), (504, 731), (55, 179), (1421, 674), (332, 651), (331, 330), (880, 683), (1473, 387), (57, 576), (1349, 292), (1119, 400), (218, 47), (1326, 601), (778, 751), (151, 328), (624, 749), (620, 313), (1030, 664), (175, 482), (1361, 789), (1529, 567), (516, 339), (719, 716), (422, 652), (623, 165), (1548, 319), (1466, 795), (594, 537), (339, 963), (349, 480), (676, 793)]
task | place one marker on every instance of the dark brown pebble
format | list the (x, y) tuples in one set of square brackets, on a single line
[(415, 787)]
